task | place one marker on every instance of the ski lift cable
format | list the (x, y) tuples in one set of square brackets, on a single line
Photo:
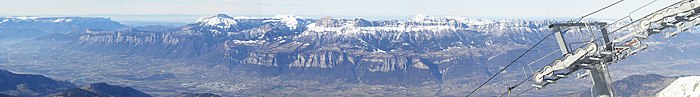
[(629, 24), (510, 64), (529, 77)]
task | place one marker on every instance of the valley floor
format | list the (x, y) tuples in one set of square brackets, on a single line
[(162, 77)]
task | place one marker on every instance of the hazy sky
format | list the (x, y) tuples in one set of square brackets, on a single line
[(473, 8)]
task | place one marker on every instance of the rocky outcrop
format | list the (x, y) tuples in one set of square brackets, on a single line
[(327, 22)]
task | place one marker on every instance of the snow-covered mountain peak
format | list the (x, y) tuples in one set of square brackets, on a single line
[(290, 21), (220, 20), (421, 18), (222, 16)]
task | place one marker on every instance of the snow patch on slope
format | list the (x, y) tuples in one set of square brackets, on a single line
[(424, 23), (62, 20), (682, 87), (26, 18), (248, 42)]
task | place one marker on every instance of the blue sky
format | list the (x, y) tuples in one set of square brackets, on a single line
[(359, 8)]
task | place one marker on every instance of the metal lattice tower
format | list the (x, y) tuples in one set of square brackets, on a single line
[(598, 54)]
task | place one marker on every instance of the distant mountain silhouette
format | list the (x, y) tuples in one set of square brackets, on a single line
[(29, 85), (106, 90)]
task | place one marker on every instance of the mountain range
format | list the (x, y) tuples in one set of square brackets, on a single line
[(22, 28), (355, 50), (248, 56)]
